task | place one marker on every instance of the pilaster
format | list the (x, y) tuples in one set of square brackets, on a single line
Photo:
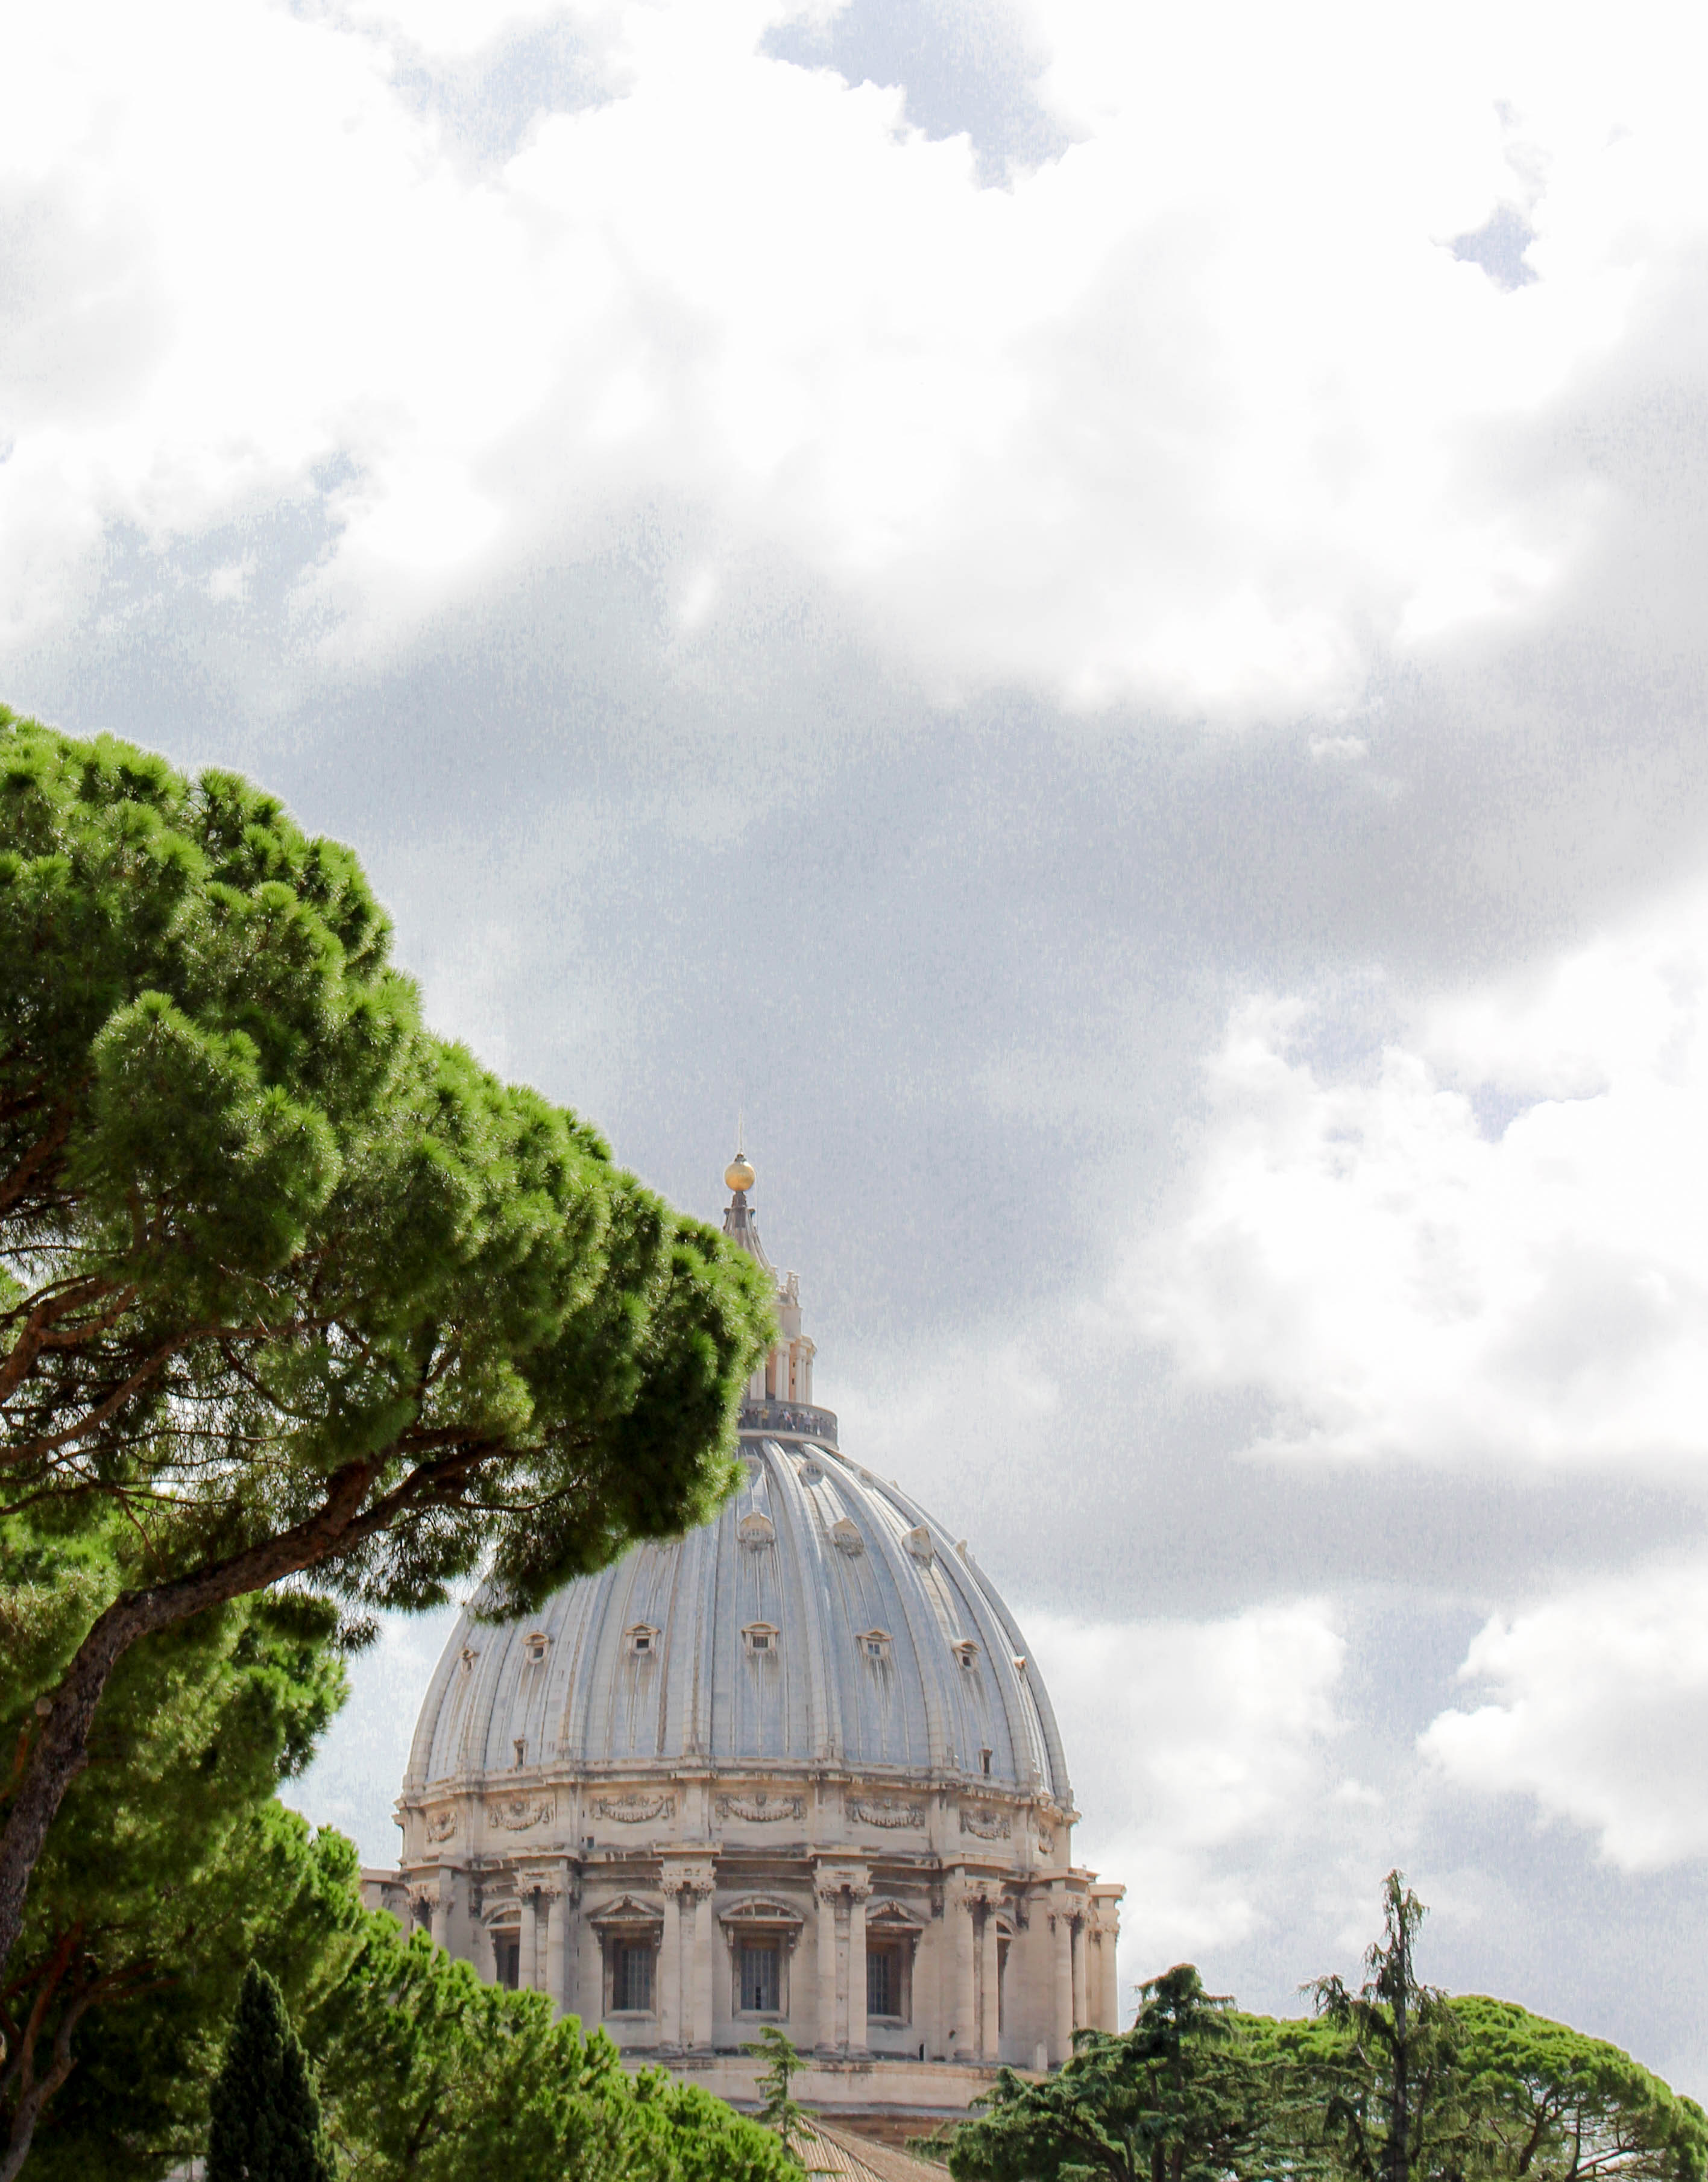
[(828, 1892), (859, 1894), (1062, 2024), (989, 2033), (964, 2031), (555, 1888)]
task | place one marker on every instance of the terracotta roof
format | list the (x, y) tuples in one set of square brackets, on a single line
[(830, 2151)]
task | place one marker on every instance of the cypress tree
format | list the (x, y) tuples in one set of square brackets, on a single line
[(266, 2113)]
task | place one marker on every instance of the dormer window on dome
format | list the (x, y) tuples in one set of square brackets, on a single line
[(760, 1638), (641, 1640), (846, 1537), (967, 1652), (756, 1530), (875, 1643), (534, 1646), (919, 1542)]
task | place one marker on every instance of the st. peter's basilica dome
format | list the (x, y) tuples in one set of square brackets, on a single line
[(795, 1767)]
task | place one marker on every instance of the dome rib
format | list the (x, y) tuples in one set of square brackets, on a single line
[(807, 1534)]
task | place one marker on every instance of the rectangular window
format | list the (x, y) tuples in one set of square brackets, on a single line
[(884, 1968), (631, 1976), (506, 1950), (761, 1981)]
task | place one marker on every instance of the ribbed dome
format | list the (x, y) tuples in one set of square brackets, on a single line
[(821, 1618), (795, 1768)]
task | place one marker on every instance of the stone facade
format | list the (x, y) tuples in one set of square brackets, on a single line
[(796, 1768)]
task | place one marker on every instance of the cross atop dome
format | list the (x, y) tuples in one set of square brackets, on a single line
[(739, 1221)]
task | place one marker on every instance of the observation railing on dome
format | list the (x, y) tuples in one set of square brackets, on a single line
[(790, 1417)]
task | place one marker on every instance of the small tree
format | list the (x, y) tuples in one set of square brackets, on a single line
[(1178, 2098), (782, 2063), (265, 2112), (1391, 2108)]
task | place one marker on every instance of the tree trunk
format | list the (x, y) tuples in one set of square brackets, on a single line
[(1396, 2153), (38, 2090)]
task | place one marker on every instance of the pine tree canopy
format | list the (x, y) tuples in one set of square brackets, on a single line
[(264, 2114), (1545, 2103), (285, 1281), (168, 1866), (1180, 2097), (1393, 2082)]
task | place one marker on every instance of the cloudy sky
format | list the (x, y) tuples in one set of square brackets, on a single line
[(1093, 612)]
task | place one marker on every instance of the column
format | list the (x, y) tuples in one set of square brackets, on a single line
[(828, 1895), (1112, 1982), (527, 1967), (1062, 2031), (485, 1960), (703, 1937), (441, 1912), (556, 1895), (988, 2035), (1080, 2019), (964, 2039), (857, 1899)]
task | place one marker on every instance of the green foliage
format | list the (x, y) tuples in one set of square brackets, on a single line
[(172, 1866), (260, 1228), (430, 2075), (1180, 2097), (1546, 2102), (286, 1283), (264, 2113), (782, 2063), (169, 1865), (1419, 2085), (1392, 2080)]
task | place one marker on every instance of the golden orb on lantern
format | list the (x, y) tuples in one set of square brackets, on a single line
[(738, 1174)]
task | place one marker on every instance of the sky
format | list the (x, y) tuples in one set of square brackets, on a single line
[(1092, 615)]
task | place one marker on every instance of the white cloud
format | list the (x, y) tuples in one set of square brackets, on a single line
[(1205, 410), (1202, 1752), (1597, 1706), (1403, 1279)]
